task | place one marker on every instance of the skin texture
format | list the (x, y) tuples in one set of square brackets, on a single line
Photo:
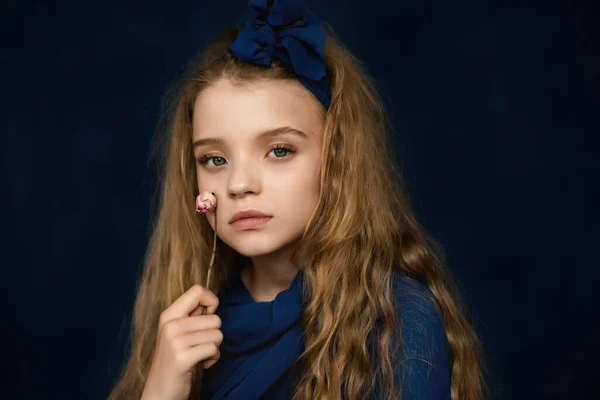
[(247, 172)]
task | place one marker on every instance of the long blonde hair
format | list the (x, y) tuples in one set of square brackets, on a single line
[(362, 231)]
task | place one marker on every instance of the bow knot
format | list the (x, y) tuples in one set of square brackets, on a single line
[(285, 30), (278, 13)]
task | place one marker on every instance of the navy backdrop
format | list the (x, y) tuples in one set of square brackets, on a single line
[(494, 103)]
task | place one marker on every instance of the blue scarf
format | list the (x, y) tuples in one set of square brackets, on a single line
[(262, 340)]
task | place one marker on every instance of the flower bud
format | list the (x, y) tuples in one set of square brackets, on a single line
[(206, 202)]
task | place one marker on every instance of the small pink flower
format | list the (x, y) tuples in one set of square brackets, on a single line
[(206, 202)]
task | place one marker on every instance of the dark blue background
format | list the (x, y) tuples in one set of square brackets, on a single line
[(495, 106)]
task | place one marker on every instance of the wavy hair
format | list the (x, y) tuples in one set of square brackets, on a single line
[(358, 243)]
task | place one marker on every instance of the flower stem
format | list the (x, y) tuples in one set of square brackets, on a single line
[(212, 258)]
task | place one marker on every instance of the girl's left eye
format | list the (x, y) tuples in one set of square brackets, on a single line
[(280, 151), (282, 148)]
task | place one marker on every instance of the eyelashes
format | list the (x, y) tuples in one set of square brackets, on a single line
[(204, 160)]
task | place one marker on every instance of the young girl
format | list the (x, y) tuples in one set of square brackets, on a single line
[(324, 285)]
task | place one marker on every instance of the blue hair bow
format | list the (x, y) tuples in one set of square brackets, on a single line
[(287, 31)]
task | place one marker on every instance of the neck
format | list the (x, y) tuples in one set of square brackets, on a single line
[(269, 274)]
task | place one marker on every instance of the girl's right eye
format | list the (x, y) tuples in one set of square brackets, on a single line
[(208, 157)]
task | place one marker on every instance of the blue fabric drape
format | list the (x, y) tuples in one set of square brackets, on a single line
[(262, 340)]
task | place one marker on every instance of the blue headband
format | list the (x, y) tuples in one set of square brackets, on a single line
[(287, 31)]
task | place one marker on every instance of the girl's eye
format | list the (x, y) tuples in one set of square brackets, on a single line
[(280, 151), (206, 158)]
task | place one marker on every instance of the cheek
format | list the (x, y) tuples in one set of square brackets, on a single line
[(206, 181), (199, 179), (302, 190)]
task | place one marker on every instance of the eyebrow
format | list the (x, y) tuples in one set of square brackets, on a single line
[(282, 130)]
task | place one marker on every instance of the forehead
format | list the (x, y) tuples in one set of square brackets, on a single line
[(235, 111)]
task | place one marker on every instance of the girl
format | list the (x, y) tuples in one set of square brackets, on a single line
[(324, 284)]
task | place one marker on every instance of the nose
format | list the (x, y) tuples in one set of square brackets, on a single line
[(244, 179)]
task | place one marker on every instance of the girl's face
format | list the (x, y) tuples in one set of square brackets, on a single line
[(258, 146)]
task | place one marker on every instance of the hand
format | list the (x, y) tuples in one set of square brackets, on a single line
[(185, 338)]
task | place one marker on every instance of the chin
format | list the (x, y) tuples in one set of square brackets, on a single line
[(253, 244), (254, 249)]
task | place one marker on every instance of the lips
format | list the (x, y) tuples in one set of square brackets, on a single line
[(247, 214)]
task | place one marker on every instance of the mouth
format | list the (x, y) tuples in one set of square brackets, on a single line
[(250, 223), (247, 214)]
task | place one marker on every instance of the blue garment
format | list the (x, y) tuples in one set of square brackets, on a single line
[(263, 339)]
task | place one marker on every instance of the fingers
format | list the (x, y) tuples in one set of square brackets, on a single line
[(182, 307), (206, 352), (200, 310), (187, 336), (200, 322), (192, 339), (209, 362), (177, 327)]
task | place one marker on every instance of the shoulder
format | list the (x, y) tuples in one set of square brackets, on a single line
[(415, 303), (423, 356), (423, 333)]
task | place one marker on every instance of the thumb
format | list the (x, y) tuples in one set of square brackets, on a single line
[(196, 297)]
